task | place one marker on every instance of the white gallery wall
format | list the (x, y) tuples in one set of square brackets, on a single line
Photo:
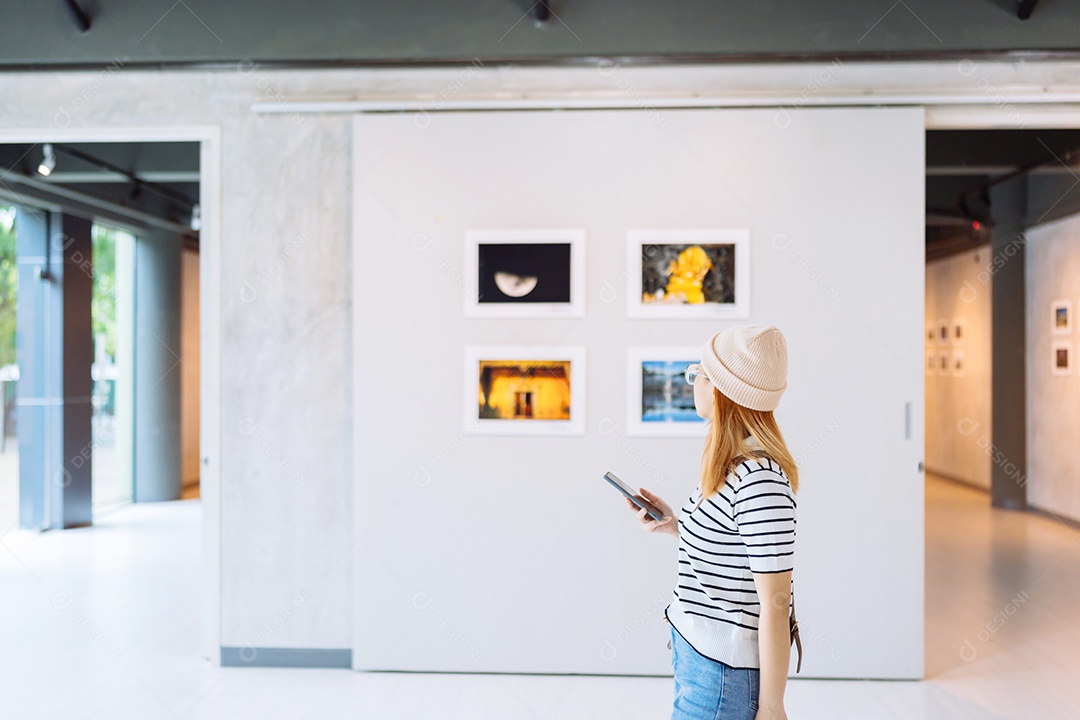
[(1052, 273), (958, 367), (510, 554)]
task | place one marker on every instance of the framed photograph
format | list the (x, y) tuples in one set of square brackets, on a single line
[(943, 332), (1061, 316), (931, 334), (520, 390), (525, 273), (931, 363), (659, 402), (1061, 357), (688, 273), (959, 331), (958, 363)]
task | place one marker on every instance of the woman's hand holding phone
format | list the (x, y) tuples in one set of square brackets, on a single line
[(667, 525)]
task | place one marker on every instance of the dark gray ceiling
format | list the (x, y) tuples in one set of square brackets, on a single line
[(165, 187), (963, 160), (961, 163), (43, 33)]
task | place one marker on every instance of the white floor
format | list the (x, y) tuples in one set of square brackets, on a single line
[(103, 623)]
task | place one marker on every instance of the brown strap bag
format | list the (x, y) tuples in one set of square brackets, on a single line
[(794, 624)]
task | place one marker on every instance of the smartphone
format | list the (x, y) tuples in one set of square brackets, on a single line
[(641, 502)]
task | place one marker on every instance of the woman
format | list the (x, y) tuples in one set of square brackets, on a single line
[(729, 616)]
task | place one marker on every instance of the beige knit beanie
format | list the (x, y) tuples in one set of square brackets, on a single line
[(748, 364)]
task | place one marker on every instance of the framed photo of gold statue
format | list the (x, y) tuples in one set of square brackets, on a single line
[(689, 273)]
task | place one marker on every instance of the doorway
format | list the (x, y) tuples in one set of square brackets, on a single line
[(990, 193), (119, 213)]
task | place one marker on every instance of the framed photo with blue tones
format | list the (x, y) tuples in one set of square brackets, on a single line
[(1061, 314), (659, 401)]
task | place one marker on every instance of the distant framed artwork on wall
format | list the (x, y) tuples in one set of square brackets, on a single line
[(959, 331), (525, 273), (688, 273), (943, 332), (520, 390), (943, 363), (958, 362), (659, 400), (1061, 317), (1061, 357), (931, 363)]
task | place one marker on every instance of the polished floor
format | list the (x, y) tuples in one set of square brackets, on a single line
[(102, 623)]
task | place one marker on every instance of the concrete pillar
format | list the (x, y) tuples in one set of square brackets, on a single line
[(1008, 470), (55, 350), (157, 367)]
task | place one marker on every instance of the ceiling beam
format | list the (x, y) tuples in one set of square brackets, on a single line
[(90, 205), (163, 176), (963, 170)]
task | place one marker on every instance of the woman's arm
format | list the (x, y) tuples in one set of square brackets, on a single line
[(774, 642)]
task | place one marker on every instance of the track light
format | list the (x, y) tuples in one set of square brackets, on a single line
[(196, 217), (48, 160)]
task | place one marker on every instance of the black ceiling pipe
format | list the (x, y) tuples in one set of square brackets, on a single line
[(165, 192), (82, 20), (1025, 7), (542, 11), (982, 190)]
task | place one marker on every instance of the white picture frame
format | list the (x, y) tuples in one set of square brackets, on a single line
[(959, 331), (931, 335), (1061, 317), (636, 424), (475, 239), (572, 354), (958, 366), (739, 238), (1057, 367), (943, 362)]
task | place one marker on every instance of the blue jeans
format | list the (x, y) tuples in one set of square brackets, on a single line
[(706, 689)]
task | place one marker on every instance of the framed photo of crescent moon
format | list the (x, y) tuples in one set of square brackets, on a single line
[(688, 273), (525, 273)]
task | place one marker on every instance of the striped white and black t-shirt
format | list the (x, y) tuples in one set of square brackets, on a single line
[(747, 527)]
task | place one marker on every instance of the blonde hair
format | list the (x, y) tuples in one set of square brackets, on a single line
[(726, 446)]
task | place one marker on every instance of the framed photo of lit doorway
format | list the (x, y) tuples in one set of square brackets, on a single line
[(523, 390), (688, 273)]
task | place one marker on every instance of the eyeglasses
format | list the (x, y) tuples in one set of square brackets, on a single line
[(692, 372)]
